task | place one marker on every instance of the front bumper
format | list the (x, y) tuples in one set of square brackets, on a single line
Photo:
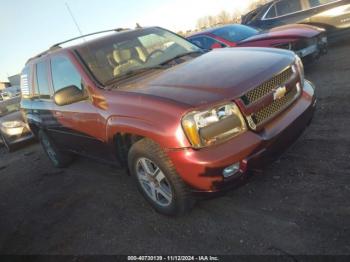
[(315, 49), (203, 169)]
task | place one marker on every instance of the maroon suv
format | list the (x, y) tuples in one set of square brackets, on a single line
[(182, 120)]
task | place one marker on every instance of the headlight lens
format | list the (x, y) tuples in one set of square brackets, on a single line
[(12, 124), (217, 124), (300, 68), (286, 46)]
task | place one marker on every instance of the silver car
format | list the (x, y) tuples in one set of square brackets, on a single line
[(13, 129)]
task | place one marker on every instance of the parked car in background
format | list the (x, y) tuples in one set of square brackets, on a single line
[(308, 42), (333, 15), (13, 129), (181, 119), (11, 92), (14, 91), (4, 95)]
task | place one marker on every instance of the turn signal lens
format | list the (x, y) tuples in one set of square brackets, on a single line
[(192, 133)]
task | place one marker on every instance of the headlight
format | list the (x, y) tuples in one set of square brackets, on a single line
[(12, 124), (286, 46), (217, 124), (300, 69)]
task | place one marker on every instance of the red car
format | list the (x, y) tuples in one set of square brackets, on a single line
[(181, 120), (308, 42)]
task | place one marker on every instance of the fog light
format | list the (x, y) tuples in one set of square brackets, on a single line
[(231, 170)]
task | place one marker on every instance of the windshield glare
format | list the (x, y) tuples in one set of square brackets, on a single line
[(235, 33), (114, 56)]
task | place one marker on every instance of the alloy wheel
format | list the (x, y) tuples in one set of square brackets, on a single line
[(154, 182)]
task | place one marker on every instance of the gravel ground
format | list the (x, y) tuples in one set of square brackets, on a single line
[(298, 205)]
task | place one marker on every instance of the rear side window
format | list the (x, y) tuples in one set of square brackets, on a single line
[(315, 3), (64, 73), (42, 80), (26, 82), (286, 7)]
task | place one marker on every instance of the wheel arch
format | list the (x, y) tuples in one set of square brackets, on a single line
[(123, 132)]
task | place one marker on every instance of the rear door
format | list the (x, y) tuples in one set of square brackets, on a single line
[(330, 14)]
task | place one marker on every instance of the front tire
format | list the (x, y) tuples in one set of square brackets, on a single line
[(6, 143), (157, 179), (58, 158)]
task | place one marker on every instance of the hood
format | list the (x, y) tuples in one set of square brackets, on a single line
[(14, 116), (287, 31), (222, 74)]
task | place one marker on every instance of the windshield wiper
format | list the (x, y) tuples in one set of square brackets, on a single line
[(182, 55), (132, 73)]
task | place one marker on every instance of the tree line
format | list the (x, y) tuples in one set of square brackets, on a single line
[(223, 18)]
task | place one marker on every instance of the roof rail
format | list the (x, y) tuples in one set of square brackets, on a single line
[(82, 36), (57, 46)]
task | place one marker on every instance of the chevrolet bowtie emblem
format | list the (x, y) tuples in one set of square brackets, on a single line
[(279, 93)]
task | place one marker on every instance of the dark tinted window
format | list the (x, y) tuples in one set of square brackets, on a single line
[(285, 7), (64, 73), (235, 33), (198, 41), (205, 42), (42, 80), (272, 12)]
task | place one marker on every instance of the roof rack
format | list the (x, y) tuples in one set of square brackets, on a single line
[(58, 45), (82, 36)]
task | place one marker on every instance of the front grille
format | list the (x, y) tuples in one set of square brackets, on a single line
[(268, 112), (265, 88)]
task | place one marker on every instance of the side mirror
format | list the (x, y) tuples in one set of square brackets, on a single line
[(215, 46), (69, 95)]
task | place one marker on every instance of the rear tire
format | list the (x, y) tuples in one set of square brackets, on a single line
[(58, 158), (157, 179)]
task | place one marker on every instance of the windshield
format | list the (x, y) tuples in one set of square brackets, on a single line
[(235, 33), (115, 56), (9, 106)]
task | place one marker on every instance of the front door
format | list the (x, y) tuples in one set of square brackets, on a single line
[(78, 125)]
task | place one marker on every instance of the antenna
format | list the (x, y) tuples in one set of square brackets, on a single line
[(75, 21)]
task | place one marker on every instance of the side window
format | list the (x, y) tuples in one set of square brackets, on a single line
[(315, 3), (25, 82), (272, 12), (42, 80), (64, 73), (286, 7)]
